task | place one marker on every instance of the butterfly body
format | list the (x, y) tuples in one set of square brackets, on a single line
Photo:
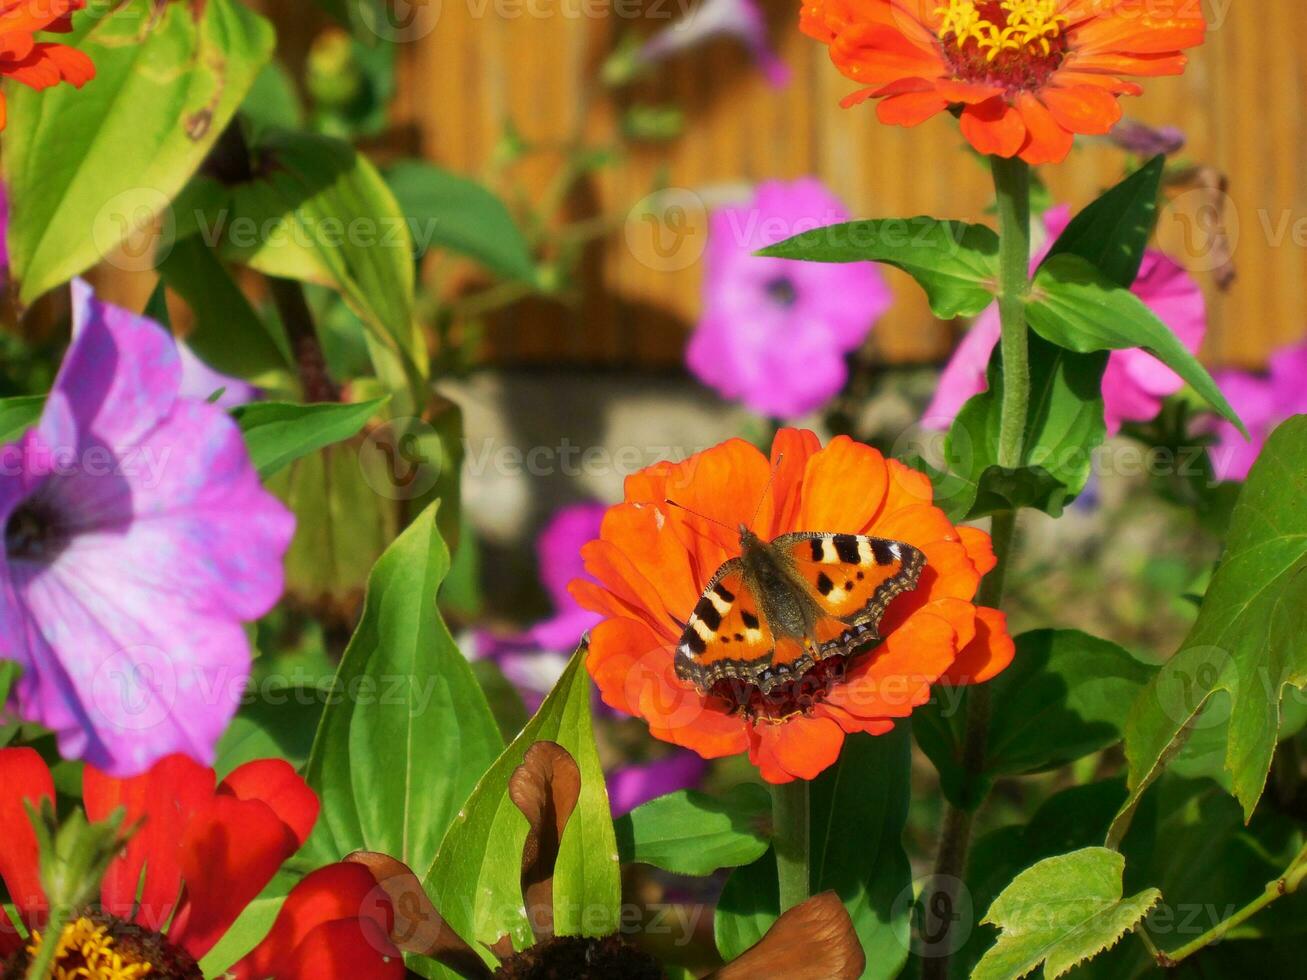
[(787, 606)]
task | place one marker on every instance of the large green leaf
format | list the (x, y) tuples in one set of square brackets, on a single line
[(1075, 306), (19, 414), (278, 433), (228, 334), (317, 211), (1065, 696), (1063, 910), (1064, 426), (955, 263), (1250, 639), (475, 879), (88, 168), (692, 833), (406, 733), (1112, 232), (447, 210), (858, 809)]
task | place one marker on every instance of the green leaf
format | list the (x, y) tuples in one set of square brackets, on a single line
[(1064, 426), (278, 724), (1075, 306), (317, 211), (88, 168), (228, 334), (9, 674), (955, 263), (1063, 910), (692, 833), (449, 210), (250, 927), (19, 414), (858, 810), (475, 878), (1112, 232), (1250, 638), (406, 733), (1065, 696), (278, 433)]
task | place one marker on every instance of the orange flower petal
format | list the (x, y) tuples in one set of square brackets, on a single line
[(897, 676), (910, 108), (610, 564), (985, 656), (798, 748), (980, 548), (1048, 142), (790, 452), (993, 128), (657, 556), (843, 486), (1082, 109)]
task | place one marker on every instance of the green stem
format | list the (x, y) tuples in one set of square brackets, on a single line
[(1012, 189), (1286, 884), (43, 960), (790, 841)]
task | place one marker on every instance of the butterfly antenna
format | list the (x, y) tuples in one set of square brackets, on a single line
[(771, 478), (703, 517)]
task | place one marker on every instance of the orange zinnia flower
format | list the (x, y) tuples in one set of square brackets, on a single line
[(652, 562), (39, 64), (1026, 75)]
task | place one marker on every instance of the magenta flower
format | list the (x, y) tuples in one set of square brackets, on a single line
[(203, 382), (636, 783), (1262, 403), (719, 18), (1134, 383), (774, 333), (137, 540)]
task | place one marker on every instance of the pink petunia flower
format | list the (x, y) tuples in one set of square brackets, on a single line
[(719, 18), (774, 333), (1134, 383), (1263, 402), (137, 540)]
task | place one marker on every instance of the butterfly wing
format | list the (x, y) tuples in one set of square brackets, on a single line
[(726, 636), (852, 578)]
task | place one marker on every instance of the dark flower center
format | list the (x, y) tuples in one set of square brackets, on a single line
[(35, 532), (96, 946), (1015, 44), (784, 700), (580, 958), (781, 291)]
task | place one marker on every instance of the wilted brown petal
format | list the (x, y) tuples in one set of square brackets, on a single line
[(545, 787), (812, 941), (418, 927)]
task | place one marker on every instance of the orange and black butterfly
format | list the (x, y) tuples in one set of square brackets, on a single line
[(788, 605)]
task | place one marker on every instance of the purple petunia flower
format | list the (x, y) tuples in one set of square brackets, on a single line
[(774, 333), (636, 783), (137, 539), (1262, 403), (717, 18), (202, 382), (1134, 383)]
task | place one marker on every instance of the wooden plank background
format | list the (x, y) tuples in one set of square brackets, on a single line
[(488, 61)]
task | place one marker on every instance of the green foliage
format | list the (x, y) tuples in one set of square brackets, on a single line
[(277, 433), (691, 833), (858, 810), (447, 210), (1065, 696), (19, 414), (406, 733), (88, 168), (954, 262), (1249, 637), (1063, 910), (474, 880)]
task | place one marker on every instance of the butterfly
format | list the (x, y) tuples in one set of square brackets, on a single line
[(788, 605)]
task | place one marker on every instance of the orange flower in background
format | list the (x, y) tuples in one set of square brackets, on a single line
[(39, 64), (653, 561), (1025, 75)]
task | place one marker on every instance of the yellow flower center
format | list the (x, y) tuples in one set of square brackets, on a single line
[(998, 26), (86, 952)]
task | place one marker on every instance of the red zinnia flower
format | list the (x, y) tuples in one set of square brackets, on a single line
[(39, 64), (201, 855), (652, 562), (1026, 75)]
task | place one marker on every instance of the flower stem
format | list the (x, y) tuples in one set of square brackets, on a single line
[(1012, 189), (790, 840), (43, 959)]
